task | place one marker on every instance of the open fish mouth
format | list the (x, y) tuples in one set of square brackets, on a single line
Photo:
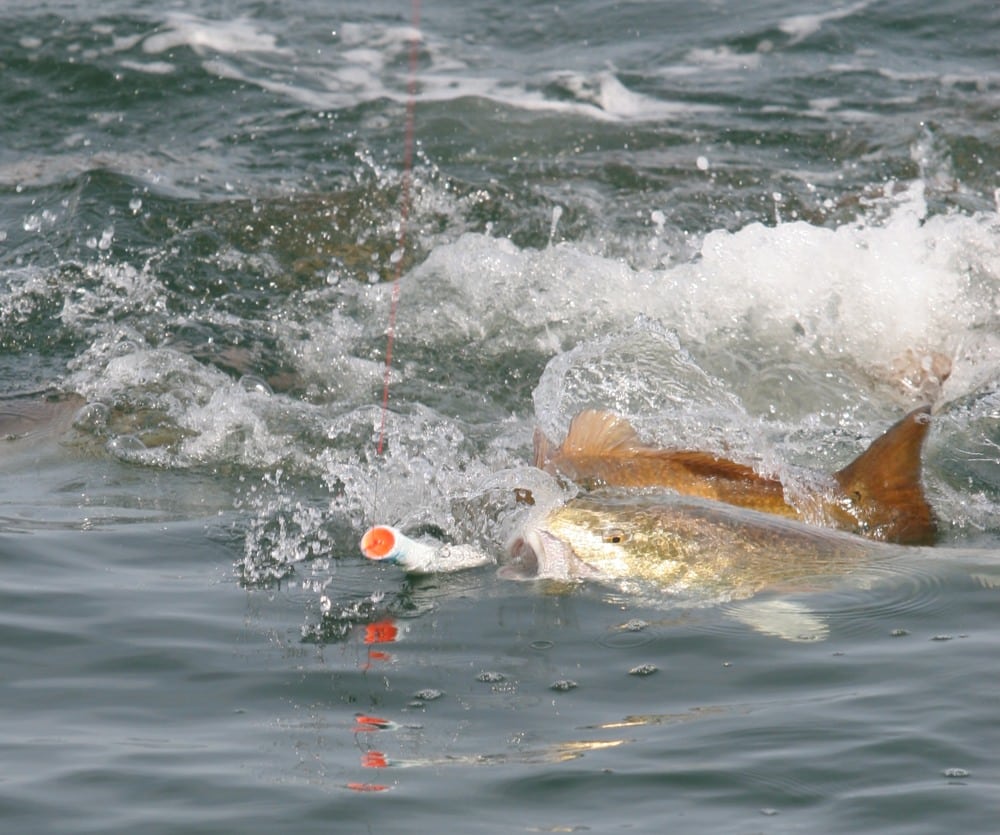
[(540, 555), (522, 561)]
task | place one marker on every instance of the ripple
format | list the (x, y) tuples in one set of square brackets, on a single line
[(909, 587), (625, 640), (632, 633)]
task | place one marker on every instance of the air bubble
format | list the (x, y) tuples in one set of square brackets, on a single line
[(428, 695), (490, 677), (93, 417), (253, 383), (126, 447)]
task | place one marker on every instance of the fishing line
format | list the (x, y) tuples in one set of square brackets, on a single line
[(404, 214)]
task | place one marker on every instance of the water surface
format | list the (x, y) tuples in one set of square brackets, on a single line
[(759, 231)]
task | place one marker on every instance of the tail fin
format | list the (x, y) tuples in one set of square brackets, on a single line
[(882, 486)]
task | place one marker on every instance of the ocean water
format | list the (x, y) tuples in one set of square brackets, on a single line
[(766, 230)]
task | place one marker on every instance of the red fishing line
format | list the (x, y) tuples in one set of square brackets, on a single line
[(404, 209)]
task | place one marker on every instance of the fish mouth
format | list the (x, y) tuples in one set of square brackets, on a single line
[(522, 559), (538, 554)]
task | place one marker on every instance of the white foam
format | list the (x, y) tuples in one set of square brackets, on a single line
[(366, 63), (717, 59), (231, 37), (869, 290), (150, 67), (603, 91), (800, 27)]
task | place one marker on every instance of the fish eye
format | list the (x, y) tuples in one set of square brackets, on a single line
[(614, 536)]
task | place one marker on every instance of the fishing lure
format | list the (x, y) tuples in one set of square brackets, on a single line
[(384, 543)]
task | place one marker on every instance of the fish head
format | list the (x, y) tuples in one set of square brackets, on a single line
[(584, 539)]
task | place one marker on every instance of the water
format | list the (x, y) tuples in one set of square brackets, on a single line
[(754, 230)]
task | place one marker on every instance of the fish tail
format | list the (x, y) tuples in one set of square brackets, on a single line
[(882, 489)]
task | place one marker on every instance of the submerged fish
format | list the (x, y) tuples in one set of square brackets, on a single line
[(879, 495)]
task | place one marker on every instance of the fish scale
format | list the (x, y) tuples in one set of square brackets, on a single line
[(685, 544)]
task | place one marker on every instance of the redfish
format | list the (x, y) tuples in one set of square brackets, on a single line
[(878, 495)]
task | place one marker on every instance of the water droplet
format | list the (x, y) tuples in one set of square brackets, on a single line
[(135, 204), (556, 215), (107, 236), (92, 418), (643, 670), (956, 773), (251, 382), (563, 685), (702, 163), (428, 695), (126, 447), (490, 677)]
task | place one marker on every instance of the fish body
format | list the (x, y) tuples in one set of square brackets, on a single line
[(682, 545), (879, 495)]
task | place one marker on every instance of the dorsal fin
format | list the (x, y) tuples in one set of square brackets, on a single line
[(597, 432), (883, 484), (542, 449)]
